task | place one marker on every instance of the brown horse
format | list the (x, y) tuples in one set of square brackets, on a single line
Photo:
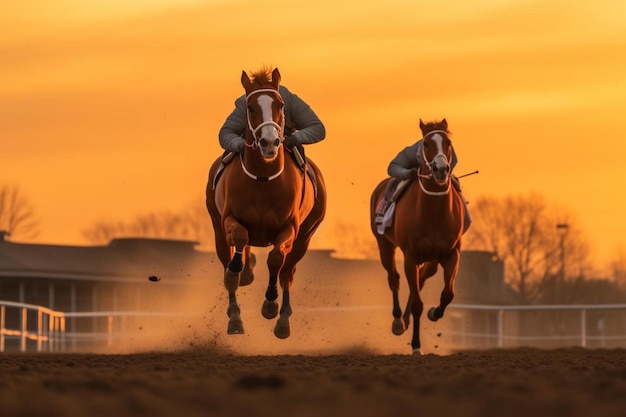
[(263, 198), (427, 227)]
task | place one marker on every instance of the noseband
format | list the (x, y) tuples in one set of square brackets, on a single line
[(255, 130), (430, 164)]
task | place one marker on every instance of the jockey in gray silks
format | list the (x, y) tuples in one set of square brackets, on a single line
[(406, 166), (302, 126)]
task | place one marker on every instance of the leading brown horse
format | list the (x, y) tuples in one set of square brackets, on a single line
[(263, 198), (427, 227)]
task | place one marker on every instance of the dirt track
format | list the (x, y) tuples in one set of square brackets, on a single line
[(203, 382)]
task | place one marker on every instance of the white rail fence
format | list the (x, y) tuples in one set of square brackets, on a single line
[(31, 328)]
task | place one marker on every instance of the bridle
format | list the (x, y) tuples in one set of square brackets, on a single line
[(255, 130), (430, 165)]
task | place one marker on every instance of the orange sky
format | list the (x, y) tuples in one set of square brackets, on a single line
[(111, 109)]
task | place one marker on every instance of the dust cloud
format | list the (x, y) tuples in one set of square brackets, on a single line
[(338, 307)]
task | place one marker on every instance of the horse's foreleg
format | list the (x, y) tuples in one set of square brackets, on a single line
[(282, 330), (247, 275), (275, 262), (450, 269), (415, 301), (237, 237)]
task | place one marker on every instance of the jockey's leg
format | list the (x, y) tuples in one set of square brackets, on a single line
[(384, 203)]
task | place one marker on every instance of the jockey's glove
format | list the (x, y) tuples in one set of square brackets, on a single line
[(408, 174), (241, 146), (290, 141)]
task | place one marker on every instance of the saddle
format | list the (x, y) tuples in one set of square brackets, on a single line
[(387, 218)]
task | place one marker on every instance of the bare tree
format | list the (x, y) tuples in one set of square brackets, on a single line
[(191, 223), (521, 231), (618, 268), (17, 217)]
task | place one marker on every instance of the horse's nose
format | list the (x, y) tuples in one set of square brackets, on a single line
[(265, 142), (441, 171)]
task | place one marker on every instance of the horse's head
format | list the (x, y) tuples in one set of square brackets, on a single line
[(264, 111), (436, 150)]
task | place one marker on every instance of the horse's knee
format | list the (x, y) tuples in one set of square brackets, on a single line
[(276, 258), (238, 237)]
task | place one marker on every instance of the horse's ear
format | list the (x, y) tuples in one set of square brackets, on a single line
[(245, 81), (444, 124), (275, 78), (422, 125)]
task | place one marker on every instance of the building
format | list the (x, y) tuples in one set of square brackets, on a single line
[(161, 276)]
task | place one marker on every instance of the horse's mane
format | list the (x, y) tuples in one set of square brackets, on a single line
[(435, 125), (262, 77)]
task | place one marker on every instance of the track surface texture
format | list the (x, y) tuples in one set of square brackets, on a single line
[(204, 382)]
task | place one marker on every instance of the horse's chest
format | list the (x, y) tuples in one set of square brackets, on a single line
[(430, 245), (428, 249), (261, 208)]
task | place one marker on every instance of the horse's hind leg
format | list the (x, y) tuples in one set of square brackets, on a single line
[(415, 301), (450, 269), (426, 271), (387, 253)]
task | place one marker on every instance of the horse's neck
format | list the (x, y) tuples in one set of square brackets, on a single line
[(257, 165), (431, 194)]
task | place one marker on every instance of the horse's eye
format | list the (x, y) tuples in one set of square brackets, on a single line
[(250, 109)]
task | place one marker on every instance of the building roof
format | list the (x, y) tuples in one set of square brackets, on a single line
[(121, 259)]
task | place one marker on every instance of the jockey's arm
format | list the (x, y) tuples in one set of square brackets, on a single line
[(309, 128), (232, 131)]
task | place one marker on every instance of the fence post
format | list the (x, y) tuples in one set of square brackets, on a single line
[(500, 328), (109, 331), (2, 321), (583, 327), (24, 330)]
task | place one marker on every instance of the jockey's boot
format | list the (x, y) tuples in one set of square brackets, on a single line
[(382, 207)]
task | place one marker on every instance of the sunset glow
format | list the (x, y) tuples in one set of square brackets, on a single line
[(111, 109)]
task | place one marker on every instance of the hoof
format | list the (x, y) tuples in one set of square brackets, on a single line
[(432, 314), (269, 309), (398, 327), (417, 352), (235, 327), (246, 278), (282, 329)]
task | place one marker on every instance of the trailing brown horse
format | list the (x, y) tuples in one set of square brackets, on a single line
[(263, 198), (427, 227)]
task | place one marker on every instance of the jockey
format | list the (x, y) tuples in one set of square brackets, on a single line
[(405, 166), (302, 126)]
